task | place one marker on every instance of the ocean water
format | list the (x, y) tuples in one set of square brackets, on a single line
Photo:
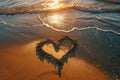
[(95, 24)]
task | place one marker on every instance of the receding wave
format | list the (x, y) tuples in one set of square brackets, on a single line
[(89, 8)]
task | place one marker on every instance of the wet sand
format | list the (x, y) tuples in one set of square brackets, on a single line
[(19, 62)]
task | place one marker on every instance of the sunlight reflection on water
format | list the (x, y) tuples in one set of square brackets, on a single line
[(55, 19)]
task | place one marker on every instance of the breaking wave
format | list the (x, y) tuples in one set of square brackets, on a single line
[(35, 9), (79, 6)]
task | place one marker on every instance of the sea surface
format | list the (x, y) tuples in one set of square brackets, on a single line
[(95, 24)]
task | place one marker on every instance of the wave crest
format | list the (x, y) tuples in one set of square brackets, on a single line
[(36, 9)]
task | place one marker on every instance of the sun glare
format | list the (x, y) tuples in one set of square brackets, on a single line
[(56, 1), (54, 4), (55, 19)]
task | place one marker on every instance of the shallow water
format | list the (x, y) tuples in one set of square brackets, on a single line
[(98, 36)]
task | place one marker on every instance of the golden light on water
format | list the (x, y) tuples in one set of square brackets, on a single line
[(55, 19), (55, 4), (56, 1)]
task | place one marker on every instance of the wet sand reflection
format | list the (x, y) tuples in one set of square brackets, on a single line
[(21, 63)]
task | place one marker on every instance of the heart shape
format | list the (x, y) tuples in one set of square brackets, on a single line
[(56, 52)]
